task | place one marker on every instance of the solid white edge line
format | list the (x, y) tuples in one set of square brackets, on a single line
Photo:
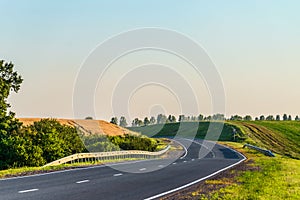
[(84, 181), (201, 179), (185, 149), (26, 191)]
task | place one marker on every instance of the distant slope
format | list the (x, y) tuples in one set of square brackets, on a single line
[(87, 126), (187, 129), (282, 137)]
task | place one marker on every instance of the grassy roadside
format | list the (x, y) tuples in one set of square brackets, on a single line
[(274, 178), (258, 178), (282, 137), (25, 171)]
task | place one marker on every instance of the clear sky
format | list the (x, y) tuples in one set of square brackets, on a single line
[(254, 44)]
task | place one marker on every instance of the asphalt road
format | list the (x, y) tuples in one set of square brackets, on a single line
[(150, 180)]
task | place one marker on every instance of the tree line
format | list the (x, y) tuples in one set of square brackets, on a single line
[(162, 119)]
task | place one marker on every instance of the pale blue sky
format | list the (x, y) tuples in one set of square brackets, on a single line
[(254, 44)]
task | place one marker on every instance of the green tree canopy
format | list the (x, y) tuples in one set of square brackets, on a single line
[(10, 81), (114, 120), (123, 122)]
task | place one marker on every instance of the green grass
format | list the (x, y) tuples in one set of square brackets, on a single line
[(187, 129), (36, 170), (282, 137), (277, 178)]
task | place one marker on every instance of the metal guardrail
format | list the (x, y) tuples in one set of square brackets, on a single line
[(264, 151), (113, 155)]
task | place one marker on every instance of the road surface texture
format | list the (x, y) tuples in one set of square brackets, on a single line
[(151, 178)]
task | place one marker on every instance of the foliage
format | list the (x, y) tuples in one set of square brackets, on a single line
[(114, 120), (137, 122), (123, 122), (236, 118), (247, 118), (131, 142), (146, 121), (48, 140), (35, 145), (152, 120), (10, 81), (99, 143)]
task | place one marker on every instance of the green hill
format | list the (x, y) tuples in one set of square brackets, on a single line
[(282, 137), (188, 129)]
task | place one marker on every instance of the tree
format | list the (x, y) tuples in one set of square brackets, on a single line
[(146, 121), (123, 122), (169, 120), (248, 118), (158, 119), (152, 120), (277, 117), (290, 118), (89, 118), (181, 118), (285, 117), (218, 116), (140, 123), (297, 118), (114, 120), (137, 122), (262, 118), (200, 117), (208, 118), (10, 81), (173, 119), (270, 118), (161, 119), (236, 118)]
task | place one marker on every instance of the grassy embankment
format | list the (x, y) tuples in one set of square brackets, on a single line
[(260, 177), (187, 129), (24, 171)]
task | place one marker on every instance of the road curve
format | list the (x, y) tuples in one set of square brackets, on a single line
[(104, 182)]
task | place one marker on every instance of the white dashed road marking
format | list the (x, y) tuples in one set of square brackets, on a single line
[(26, 191), (84, 181), (118, 174), (143, 169)]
